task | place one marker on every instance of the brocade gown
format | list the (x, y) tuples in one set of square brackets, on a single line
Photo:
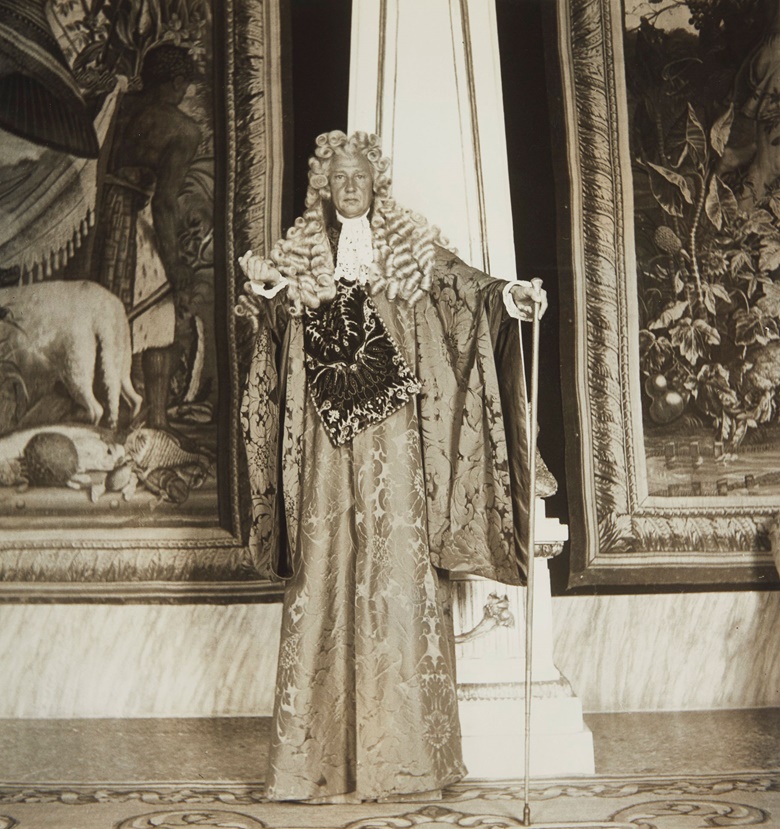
[(365, 698)]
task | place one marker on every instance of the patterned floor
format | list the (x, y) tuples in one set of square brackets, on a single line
[(669, 771), (663, 802)]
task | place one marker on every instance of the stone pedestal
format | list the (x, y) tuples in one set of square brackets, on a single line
[(490, 620)]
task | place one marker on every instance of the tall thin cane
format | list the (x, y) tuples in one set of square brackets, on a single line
[(529, 600)]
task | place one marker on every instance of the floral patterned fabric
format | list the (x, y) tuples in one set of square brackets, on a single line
[(365, 699)]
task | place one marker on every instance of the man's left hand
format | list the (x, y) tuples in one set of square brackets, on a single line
[(527, 296)]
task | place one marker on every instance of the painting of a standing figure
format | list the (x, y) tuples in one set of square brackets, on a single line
[(108, 371), (137, 251)]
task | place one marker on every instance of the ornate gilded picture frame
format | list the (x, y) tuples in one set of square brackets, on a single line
[(670, 321), (101, 499)]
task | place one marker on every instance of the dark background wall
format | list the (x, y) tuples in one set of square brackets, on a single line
[(525, 30), (319, 85), (317, 99)]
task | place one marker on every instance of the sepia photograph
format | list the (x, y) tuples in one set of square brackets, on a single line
[(389, 414)]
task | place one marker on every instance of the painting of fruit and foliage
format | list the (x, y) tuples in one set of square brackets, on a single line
[(108, 377), (703, 89)]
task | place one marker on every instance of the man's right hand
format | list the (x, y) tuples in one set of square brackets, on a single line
[(264, 279)]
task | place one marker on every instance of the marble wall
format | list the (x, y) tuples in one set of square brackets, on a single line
[(621, 653), (670, 652), (137, 661)]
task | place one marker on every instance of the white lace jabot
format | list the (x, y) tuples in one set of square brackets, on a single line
[(355, 252)]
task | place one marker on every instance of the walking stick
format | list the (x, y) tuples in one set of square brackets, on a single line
[(533, 406), (529, 591)]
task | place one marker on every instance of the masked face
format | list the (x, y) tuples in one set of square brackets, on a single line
[(351, 183)]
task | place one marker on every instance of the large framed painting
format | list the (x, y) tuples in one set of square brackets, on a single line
[(140, 147), (671, 114)]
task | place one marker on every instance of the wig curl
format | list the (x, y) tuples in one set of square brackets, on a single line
[(404, 242)]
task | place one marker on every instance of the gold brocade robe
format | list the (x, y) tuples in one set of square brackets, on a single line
[(365, 698)]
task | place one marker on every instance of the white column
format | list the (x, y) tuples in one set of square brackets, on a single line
[(425, 76)]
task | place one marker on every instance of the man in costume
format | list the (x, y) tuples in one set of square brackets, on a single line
[(137, 251), (385, 426)]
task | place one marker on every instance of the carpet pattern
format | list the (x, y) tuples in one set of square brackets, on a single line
[(629, 802)]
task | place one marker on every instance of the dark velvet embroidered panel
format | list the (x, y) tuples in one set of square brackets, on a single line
[(355, 372)]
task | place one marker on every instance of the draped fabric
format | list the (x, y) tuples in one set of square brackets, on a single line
[(40, 100), (365, 699), (46, 205), (115, 247)]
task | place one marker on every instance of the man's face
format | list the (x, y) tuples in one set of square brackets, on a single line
[(351, 183)]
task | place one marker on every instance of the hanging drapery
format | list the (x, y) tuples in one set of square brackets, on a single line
[(39, 97), (47, 206)]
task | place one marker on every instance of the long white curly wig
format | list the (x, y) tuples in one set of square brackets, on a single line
[(404, 242)]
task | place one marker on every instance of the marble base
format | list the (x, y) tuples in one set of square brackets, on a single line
[(491, 677), (492, 719), (235, 748), (502, 757)]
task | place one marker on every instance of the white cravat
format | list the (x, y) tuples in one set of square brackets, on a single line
[(355, 253)]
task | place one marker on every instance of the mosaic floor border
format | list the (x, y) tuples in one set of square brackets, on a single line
[(73, 793), (601, 802)]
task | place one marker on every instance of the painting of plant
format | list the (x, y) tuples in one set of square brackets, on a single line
[(703, 90), (671, 110)]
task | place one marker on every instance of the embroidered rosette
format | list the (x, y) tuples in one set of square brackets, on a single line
[(355, 372)]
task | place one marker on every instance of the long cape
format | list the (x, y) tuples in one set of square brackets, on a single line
[(472, 416)]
